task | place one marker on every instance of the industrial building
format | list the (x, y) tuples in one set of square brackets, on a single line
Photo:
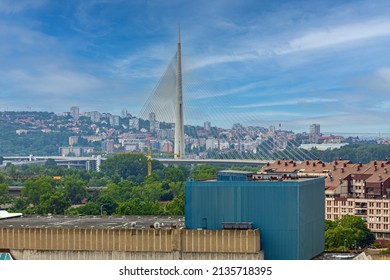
[(122, 238), (288, 212), (356, 189)]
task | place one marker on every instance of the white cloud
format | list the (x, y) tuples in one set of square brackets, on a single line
[(212, 93), (338, 35), (54, 82), (287, 102), (223, 58)]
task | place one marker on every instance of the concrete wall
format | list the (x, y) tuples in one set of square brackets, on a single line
[(25, 254), (79, 243)]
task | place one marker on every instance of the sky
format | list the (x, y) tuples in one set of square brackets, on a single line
[(283, 63)]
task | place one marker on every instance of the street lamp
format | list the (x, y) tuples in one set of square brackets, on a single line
[(101, 210), (345, 241)]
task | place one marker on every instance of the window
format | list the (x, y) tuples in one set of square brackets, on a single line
[(336, 203), (329, 203), (378, 204), (343, 203), (378, 212), (328, 209)]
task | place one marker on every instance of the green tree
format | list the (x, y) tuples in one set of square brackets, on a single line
[(175, 207), (4, 193), (200, 172), (173, 174), (34, 189), (138, 206), (132, 167), (348, 231), (75, 188), (4, 190), (108, 202), (90, 208), (55, 203)]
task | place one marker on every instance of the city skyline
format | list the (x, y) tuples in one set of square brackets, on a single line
[(259, 63)]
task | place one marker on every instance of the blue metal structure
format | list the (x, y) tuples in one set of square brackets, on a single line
[(289, 214), (231, 175)]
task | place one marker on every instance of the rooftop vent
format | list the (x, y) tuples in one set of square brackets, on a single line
[(237, 225)]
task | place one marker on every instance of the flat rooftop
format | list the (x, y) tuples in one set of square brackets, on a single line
[(119, 222)]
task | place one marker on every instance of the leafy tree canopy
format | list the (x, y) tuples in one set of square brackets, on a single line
[(350, 231)]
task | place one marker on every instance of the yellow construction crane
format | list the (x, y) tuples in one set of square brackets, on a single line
[(149, 161)]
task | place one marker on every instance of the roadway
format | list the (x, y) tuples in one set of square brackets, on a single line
[(93, 163)]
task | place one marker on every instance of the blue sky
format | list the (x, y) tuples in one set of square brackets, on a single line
[(256, 62)]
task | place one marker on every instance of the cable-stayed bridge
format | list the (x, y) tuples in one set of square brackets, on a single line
[(175, 100)]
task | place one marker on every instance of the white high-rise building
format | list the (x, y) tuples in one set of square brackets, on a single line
[(207, 126), (114, 120), (134, 123), (75, 112), (315, 133)]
